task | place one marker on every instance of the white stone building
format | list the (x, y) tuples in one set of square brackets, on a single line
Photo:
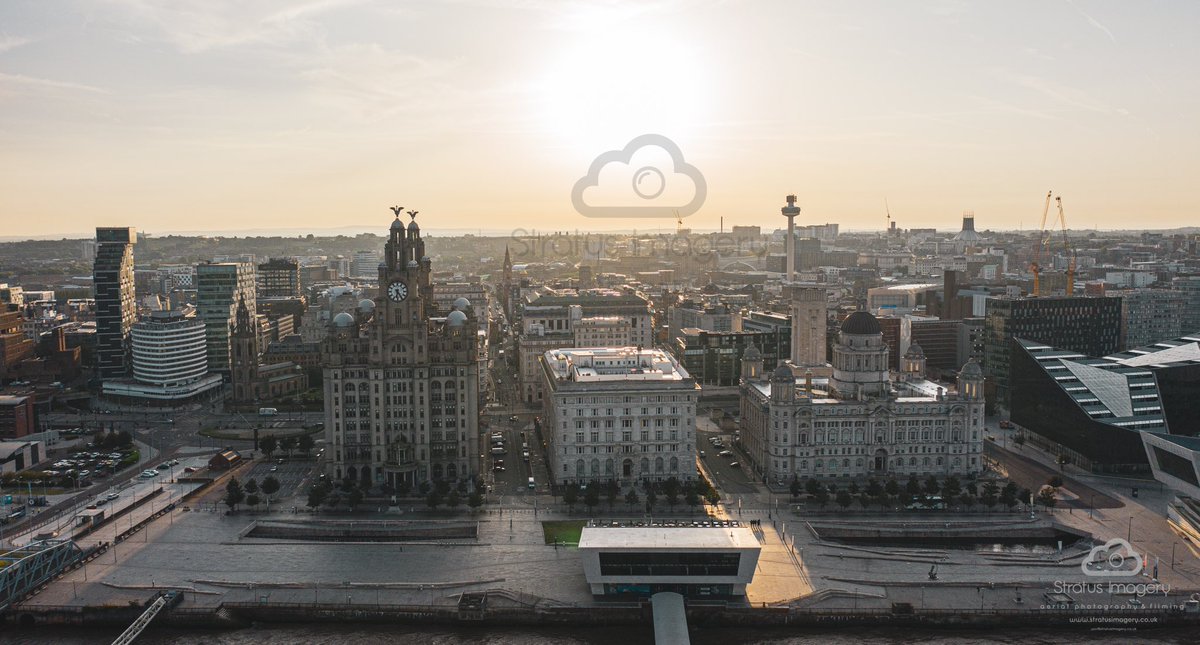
[(861, 424), (623, 413)]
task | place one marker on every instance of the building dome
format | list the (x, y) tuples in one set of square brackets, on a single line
[(972, 369), (752, 353), (412, 226), (366, 305), (412, 264), (456, 319), (861, 322), (915, 351), (782, 373), (343, 320), (397, 225), (462, 304)]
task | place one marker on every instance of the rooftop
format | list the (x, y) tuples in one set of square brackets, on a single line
[(613, 364), (675, 536)]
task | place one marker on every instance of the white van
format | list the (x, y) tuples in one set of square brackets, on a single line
[(531, 484)]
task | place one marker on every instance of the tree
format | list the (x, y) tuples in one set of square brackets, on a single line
[(433, 499), (233, 494), (1008, 496), (270, 486), (931, 486), (712, 496), (892, 488), (348, 485), (124, 439), (305, 443), (912, 487), (1055, 481), (333, 500), (592, 498), (1047, 496), (874, 488), (316, 496), (475, 499), (967, 500), (796, 487), (972, 488), (951, 489), (354, 498), (844, 499), (611, 492), (823, 497), (989, 494), (251, 487), (692, 500), (453, 500), (631, 498), (267, 445), (672, 499), (252, 500), (864, 500), (288, 444), (570, 496), (811, 486), (651, 500), (1019, 440), (854, 488)]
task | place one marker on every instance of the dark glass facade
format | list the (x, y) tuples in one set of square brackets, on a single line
[(641, 564), (1090, 326), (1176, 466), (1040, 405), (113, 281)]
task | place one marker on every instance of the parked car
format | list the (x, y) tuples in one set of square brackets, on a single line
[(111, 496), (734, 464), (148, 474)]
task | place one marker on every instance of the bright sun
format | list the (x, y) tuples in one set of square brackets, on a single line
[(610, 86)]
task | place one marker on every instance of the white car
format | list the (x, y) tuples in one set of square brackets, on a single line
[(148, 474)]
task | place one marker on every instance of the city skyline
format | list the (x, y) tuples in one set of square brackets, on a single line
[(277, 117)]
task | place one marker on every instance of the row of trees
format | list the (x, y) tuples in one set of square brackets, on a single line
[(671, 491), (110, 440), (236, 493), (269, 444), (435, 495), (888, 493)]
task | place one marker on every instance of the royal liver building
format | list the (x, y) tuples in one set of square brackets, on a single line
[(401, 378), (860, 423)]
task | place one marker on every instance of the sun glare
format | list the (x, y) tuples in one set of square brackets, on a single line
[(608, 87)]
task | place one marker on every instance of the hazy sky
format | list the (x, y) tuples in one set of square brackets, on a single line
[(257, 114)]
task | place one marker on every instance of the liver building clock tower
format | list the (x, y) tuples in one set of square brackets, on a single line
[(401, 378)]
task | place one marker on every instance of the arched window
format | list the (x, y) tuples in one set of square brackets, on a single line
[(939, 461), (674, 464), (579, 466), (595, 466), (820, 464), (846, 464), (803, 464), (658, 464), (608, 466), (803, 438), (925, 462), (645, 466)]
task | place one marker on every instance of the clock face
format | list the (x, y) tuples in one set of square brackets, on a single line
[(397, 291)]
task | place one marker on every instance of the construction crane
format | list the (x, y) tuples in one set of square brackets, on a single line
[(1068, 249), (1035, 266)]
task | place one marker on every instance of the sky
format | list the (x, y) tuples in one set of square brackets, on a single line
[(223, 115)]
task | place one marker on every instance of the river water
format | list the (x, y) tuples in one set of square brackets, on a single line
[(333, 634)]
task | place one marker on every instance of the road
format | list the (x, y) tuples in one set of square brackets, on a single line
[(1032, 474), (727, 478)]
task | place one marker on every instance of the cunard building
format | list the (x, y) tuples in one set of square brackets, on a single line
[(401, 377)]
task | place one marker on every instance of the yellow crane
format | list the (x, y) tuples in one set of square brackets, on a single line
[(1034, 266), (1068, 249)]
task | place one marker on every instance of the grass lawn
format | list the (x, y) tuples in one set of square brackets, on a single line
[(565, 531)]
